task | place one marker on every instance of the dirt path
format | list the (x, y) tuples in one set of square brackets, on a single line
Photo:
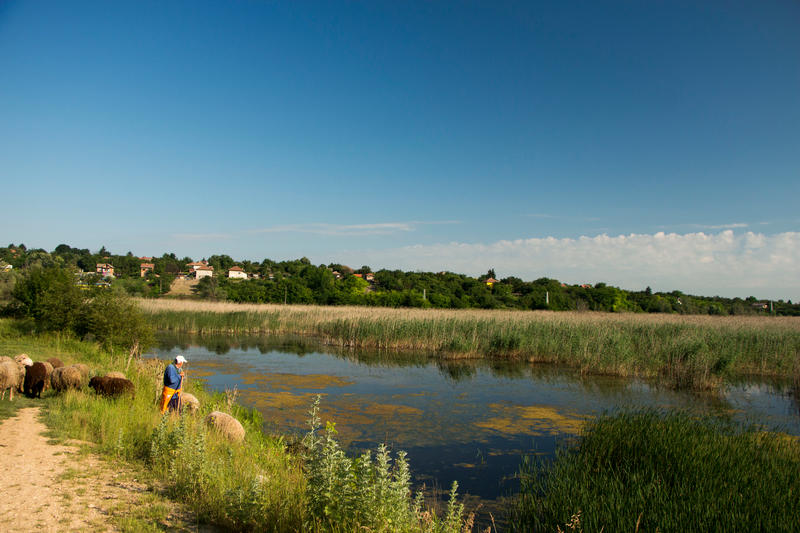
[(47, 487)]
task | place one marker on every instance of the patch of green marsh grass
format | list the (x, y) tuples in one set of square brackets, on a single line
[(665, 472), (16, 337)]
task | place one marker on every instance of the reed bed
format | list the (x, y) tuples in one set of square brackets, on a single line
[(696, 352), (651, 471)]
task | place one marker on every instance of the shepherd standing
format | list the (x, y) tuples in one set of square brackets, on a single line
[(173, 385)]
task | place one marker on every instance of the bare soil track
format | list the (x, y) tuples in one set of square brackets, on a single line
[(50, 487)]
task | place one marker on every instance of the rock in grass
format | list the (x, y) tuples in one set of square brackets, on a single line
[(226, 425)]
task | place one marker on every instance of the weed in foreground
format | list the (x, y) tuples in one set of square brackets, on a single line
[(368, 492)]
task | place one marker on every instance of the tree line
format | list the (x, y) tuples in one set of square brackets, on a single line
[(300, 282)]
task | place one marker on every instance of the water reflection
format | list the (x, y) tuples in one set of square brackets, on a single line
[(465, 420)]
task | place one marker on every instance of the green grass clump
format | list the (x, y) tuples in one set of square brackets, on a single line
[(651, 471), (366, 493)]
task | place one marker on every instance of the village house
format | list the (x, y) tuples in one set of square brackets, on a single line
[(369, 276), (490, 282), (144, 268), (105, 270), (195, 265), (237, 272), (203, 272)]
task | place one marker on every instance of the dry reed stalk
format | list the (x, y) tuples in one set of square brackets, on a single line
[(321, 314)]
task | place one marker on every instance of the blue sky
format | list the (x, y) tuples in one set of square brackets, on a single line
[(637, 143)]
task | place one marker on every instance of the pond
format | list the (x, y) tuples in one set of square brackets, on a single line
[(470, 421)]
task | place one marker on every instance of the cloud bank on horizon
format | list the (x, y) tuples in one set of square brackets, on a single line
[(724, 263)]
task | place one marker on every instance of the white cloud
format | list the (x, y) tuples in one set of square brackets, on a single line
[(724, 263), (351, 230), (201, 236), (733, 225)]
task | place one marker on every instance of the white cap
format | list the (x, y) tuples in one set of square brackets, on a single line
[(180, 359)]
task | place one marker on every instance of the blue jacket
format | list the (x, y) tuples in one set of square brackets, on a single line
[(172, 377)]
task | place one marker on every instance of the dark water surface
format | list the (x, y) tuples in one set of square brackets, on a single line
[(470, 421)]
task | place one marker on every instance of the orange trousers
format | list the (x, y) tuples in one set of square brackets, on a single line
[(166, 396)]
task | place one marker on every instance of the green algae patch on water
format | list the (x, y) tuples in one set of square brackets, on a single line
[(532, 420), (281, 409), (289, 382), (205, 369)]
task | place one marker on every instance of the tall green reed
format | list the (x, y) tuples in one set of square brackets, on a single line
[(655, 471)]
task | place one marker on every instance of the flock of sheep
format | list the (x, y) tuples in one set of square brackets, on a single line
[(31, 378)]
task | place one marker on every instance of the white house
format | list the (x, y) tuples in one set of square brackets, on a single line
[(237, 272), (203, 272)]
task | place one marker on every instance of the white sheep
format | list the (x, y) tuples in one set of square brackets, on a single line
[(23, 363), (9, 377)]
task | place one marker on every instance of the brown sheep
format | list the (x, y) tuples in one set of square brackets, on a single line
[(56, 362), (83, 369), (35, 378), (226, 425), (112, 386), (49, 372), (66, 377), (9, 378)]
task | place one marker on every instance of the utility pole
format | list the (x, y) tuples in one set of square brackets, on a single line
[(424, 294), (285, 292), (547, 297)]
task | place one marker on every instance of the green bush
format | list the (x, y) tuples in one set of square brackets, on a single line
[(52, 299)]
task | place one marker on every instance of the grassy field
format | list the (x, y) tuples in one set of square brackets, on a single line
[(650, 471), (681, 351)]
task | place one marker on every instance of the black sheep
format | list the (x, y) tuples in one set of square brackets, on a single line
[(112, 386), (35, 378)]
